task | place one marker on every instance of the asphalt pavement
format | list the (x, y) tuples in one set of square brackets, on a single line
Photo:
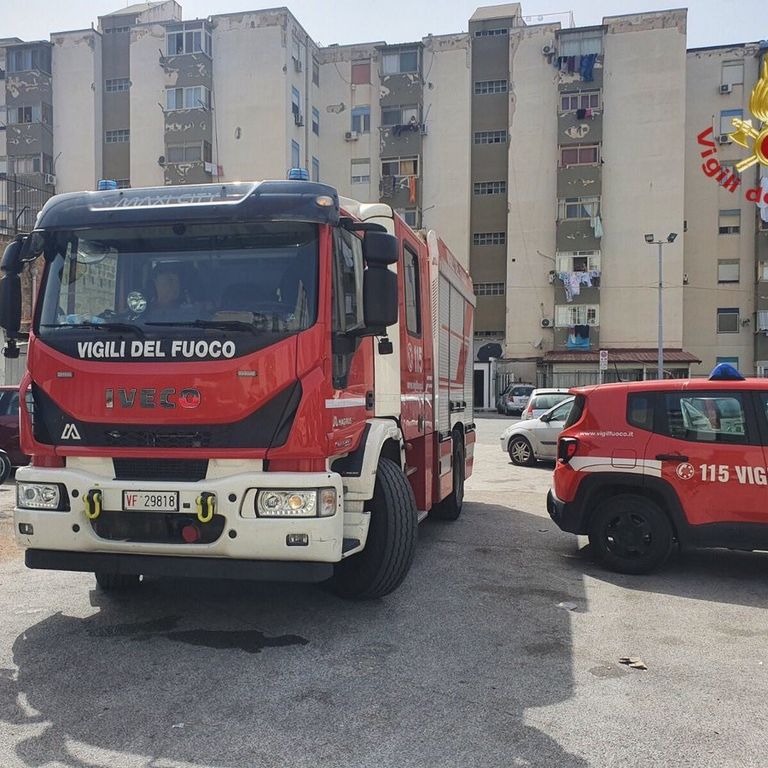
[(501, 649)]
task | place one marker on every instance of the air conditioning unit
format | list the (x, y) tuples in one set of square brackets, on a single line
[(547, 50), (298, 118), (724, 138), (552, 276), (50, 179), (351, 136), (546, 322), (297, 65), (423, 129), (726, 88)]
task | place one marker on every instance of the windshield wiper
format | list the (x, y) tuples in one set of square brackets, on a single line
[(224, 325), (90, 325)]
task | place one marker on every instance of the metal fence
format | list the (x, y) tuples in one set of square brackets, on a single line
[(20, 202)]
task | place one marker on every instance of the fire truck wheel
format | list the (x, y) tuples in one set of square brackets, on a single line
[(117, 582), (450, 507), (630, 534), (389, 549), (521, 453), (5, 467)]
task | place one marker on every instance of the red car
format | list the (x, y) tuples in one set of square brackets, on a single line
[(10, 452), (644, 465)]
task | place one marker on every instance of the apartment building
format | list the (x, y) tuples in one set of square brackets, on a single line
[(543, 154)]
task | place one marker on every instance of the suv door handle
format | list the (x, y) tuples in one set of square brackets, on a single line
[(670, 457)]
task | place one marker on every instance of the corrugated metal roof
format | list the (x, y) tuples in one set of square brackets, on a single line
[(625, 355)]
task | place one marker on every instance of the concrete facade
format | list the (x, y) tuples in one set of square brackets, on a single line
[(542, 154)]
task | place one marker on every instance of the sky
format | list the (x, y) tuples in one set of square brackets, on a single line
[(710, 22)]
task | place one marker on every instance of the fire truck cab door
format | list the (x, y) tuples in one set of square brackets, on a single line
[(412, 332)]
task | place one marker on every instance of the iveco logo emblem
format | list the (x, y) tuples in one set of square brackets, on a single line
[(70, 432), (189, 398)]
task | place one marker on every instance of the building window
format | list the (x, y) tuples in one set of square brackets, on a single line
[(570, 102), (20, 115), (400, 166), (732, 73), (575, 208), (123, 183), (361, 171), (315, 169), (361, 72), (361, 119), (496, 31), (27, 59), (189, 152), (491, 137), (190, 37), (296, 106), (577, 261), (728, 320), (490, 188), (488, 289), (726, 116), (489, 334), (734, 361), (117, 137), (483, 87), (117, 84), (489, 238), (729, 222), (727, 270), (411, 217), (580, 154), (399, 115), (295, 154), (568, 315), (297, 54), (580, 43), (400, 62), (762, 271), (117, 30), (315, 121), (193, 97), (25, 164), (315, 71), (412, 292)]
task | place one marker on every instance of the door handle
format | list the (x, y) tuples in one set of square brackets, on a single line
[(670, 457)]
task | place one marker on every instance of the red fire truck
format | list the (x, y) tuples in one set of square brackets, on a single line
[(250, 380)]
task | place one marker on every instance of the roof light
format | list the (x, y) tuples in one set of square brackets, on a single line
[(298, 174), (725, 372)]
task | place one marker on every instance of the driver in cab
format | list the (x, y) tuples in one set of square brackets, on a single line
[(170, 299)]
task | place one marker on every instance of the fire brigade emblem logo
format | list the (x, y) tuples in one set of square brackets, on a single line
[(189, 398), (758, 106), (685, 471)]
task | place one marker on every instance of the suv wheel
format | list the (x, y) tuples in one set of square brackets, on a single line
[(521, 453), (630, 534)]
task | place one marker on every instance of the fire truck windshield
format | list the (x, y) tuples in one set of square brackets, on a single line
[(248, 277)]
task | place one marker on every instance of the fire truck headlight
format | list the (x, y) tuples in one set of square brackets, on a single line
[(286, 503), (38, 496)]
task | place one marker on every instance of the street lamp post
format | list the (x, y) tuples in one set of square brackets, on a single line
[(661, 243)]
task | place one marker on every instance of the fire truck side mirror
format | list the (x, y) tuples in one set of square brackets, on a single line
[(379, 299), (10, 288), (380, 248)]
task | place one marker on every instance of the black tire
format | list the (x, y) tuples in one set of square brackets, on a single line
[(117, 582), (521, 452), (450, 507), (630, 534), (386, 558), (5, 467)]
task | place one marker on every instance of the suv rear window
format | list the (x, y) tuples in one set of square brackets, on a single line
[(576, 410), (548, 401), (640, 411), (522, 391)]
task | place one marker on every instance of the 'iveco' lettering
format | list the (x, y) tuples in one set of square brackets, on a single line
[(156, 349), (152, 398)]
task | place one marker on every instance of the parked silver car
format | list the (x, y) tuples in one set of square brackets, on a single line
[(514, 398), (532, 440), (542, 400)]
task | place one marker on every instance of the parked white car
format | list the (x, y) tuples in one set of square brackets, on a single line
[(542, 400), (534, 440)]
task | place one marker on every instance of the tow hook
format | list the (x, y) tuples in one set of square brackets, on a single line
[(206, 506), (93, 503)]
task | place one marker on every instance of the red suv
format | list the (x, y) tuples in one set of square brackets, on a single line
[(647, 464), (9, 432)]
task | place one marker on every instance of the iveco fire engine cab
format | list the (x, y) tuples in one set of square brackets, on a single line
[(239, 380)]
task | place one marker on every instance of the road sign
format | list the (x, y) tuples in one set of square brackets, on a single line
[(603, 359)]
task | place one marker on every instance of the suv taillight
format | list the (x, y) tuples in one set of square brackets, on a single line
[(566, 448)]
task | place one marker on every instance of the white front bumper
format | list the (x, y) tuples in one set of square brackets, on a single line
[(244, 536)]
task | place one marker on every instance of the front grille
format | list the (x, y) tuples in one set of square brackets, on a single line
[(141, 438), (180, 470), (155, 527)]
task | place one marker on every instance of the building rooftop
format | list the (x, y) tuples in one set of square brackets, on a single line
[(486, 12), (135, 8)]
